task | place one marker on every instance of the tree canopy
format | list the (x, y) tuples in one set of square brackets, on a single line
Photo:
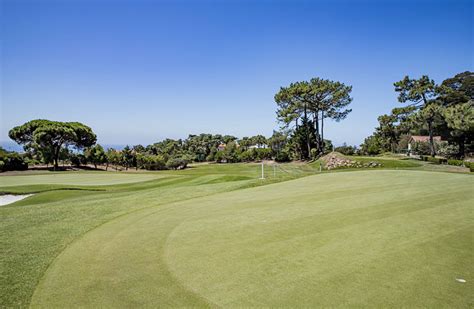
[(445, 110), (49, 137), (303, 106)]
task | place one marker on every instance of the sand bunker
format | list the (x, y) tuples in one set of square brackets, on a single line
[(10, 198)]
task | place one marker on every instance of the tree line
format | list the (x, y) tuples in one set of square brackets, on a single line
[(430, 109), (52, 142), (302, 108), (176, 154)]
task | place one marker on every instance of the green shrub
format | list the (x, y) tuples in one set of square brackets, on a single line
[(78, 159), (12, 161), (177, 163), (345, 150), (432, 160), (448, 151), (282, 156), (437, 160), (456, 162), (263, 153), (470, 165), (151, 162), (219, 156), (248, 155), (421, 148)]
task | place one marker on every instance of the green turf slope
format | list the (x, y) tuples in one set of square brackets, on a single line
[(84, 179), (368, 238)]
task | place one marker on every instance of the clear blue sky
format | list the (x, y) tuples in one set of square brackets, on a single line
[(140, 71)]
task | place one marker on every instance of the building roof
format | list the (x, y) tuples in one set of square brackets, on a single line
[(423, 138)]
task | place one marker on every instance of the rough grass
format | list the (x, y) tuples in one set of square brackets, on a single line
[(198, 238), (388, 162)]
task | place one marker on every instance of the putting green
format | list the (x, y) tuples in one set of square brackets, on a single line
[(74, 178), (369, 238)]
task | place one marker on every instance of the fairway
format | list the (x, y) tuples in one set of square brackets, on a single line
[(83, 178), (367, 238)]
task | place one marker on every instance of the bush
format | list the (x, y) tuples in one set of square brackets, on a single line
[(32, 161), (433, 160), (456, 162), (371, 146), (177, 163), (437, 160), (12, 161), (421, 148), (219, 156), (282, 156), (248, 155), (448, 151), (151, 162), (77, 159), (210, 157), (469, 165), (345, 150), (263, 153)]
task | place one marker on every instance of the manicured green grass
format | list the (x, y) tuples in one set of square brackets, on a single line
[(35, 230), (204, 237), (81, 178)]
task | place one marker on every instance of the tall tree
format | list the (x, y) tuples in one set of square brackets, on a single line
[(127, 157), (458, 89), (308, 103), (294, 106), (420, 92), (387, 132), (258, 140), (95, 155), (52, 136), (333, 104), (460, 119)]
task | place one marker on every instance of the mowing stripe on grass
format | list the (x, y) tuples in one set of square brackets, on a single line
[(370, 238)]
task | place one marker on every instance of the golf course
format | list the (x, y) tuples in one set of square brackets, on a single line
[(236, 154), (215, 235)]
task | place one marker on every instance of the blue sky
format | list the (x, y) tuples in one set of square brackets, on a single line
[(140, 71)]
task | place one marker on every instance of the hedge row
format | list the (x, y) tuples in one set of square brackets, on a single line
[(470, 165)]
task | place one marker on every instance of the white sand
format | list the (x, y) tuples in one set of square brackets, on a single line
[(9, 198)]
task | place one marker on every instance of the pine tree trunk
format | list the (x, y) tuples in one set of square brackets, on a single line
[(56, 158), (308, 143), (322, 131), (316, 129), (430, 129), (462, 139)]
